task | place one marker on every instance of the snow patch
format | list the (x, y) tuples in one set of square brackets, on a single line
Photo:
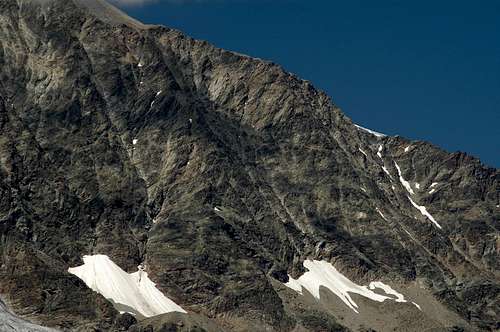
[(432, 191), (405, 183), (417, 185), (363, 189), (322, 273), (407, 148), (379, 152), (434, 184), (388, 290), (294, 284), (134, 290), (424, 212), (363, 152), (140, 64), (158, 93), (416, 305), (134, 141), (370, 131), (386, 171), (217, 209)]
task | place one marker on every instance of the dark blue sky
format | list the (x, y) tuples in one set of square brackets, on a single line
[(427, 70)]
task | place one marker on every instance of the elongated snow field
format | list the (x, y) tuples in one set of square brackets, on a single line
[(135, 290)]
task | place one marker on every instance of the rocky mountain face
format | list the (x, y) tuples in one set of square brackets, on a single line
[(222, 176)]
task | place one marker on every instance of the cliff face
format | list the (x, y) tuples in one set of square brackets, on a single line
[(220, 174)]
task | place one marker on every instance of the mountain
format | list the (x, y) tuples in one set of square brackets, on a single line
[(153, 182)]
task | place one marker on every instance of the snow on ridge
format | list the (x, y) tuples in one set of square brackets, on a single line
[(322, 273), (424, 212), (370, 131), (405, 183), (134, 290)]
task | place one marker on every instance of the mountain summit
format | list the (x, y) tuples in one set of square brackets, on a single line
[(153, 182)]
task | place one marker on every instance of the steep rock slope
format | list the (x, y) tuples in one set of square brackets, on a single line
[(220, 174)]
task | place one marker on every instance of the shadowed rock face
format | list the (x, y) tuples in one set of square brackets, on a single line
[(239, 172)]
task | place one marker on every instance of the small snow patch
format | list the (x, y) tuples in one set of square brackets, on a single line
[(386, 171), (363, 189), (140, 64), (379, 152), (405, 183), (217, 209), (417, 185), (388, 290), (407, 148), (363, 152), (432, 191), (158, 93), (416, 305), (424, 212), (434, 184), (134, 141)]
